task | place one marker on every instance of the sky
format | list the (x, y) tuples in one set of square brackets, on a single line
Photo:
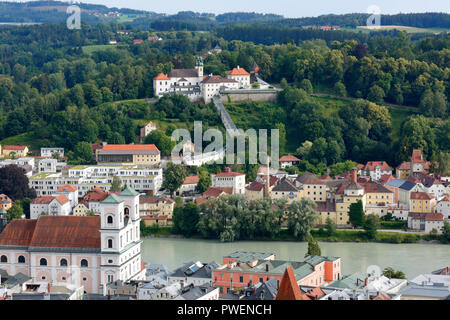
[(288, 8)]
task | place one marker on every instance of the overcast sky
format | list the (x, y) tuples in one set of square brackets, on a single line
[(288, 8)]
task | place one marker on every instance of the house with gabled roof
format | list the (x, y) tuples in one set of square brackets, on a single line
[(285, 190), (376, 169)]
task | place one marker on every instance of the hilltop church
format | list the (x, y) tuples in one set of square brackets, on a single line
[(196, 86)]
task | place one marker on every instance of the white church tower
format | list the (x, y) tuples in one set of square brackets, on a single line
[(199, 67), (120, 237)]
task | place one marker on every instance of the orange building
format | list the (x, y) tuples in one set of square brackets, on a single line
[(241, 268)]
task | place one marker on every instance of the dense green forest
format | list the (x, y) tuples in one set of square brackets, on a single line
[(55, 91)]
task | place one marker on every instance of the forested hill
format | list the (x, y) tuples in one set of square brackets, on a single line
[(55, 11)]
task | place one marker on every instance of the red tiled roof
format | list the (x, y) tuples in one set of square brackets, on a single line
[(18, 232), (43, 200), (67, 188), (315, 293), (191, 180), (128, 147), (154, 200), (421, 196), (53, 232), (382, 296), (229, 173), (255, 186), (289, 158), (289, 289), (217, 191), (434, 217), (386, 178), (417, 156), (161, 76), (371, 165), (404, 166), (62, 199), (67, 232), (95, 195), (373, 187), (200, 200), (14, 147), (314, 180), (238, 72), (445, 198)]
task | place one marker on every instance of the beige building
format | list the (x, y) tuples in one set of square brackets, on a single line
[(129, 154), (285, 190), (156, 207), (80, 210), (377, 198), (421, 202), (16, 151)]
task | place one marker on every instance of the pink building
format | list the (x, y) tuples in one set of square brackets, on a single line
[(85, 251), (242, 267)]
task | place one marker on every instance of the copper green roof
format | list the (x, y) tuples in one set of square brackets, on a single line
[(3, 210), (112, 198), (129, 192)]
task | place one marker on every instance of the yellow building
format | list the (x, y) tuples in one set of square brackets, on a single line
[(421, 202), (285, 190), (129, 154), (15, 151), (377, 198), (314, 189), (80, 210), (156, 207)]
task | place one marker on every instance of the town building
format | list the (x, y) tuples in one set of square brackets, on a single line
[(51, 152), (240, 268), (376, 169), (443, 207), (160, 208), (241, 76), (416, 165), (15, 151), (230, 179), (189, 185), (256, 189), (145, 131), (288, 160), (421, 202), (426, 222), (377, 198), (86, 177), (285, 190), (193, 273), (91, 251), (50, 205), (425, 292), (129, 154), (202, 292)]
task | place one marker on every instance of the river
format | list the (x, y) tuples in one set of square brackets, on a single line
[(412, 259)]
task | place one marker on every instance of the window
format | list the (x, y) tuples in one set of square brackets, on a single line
[(63, 263), (4, 259), (43, 262), (110, 243), (21, 259), (63, 278), (84, 263), (110, 220)]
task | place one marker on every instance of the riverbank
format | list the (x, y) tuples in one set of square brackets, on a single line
[(356, 236)]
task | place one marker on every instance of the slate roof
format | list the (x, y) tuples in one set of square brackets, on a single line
[(373, 187), (187, 271), (434, 291), (285, 186), (183, 73), (407, 185), (395, 183)]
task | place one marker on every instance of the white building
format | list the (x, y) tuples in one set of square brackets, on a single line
[(149, 127), (228, 178), (86, 178), (49, 152), (51, 205), (193, 273), (443, 207), (241, 76), (376, 169), (426, 222), (47, 165)]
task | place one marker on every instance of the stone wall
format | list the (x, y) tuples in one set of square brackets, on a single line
[(249, 95)]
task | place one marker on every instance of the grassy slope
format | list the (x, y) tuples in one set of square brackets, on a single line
[(249, 117)]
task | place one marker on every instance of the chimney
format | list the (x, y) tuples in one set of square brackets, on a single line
[(354, 175), (267, 267), (365, 282), (49, 286), (227, 169)]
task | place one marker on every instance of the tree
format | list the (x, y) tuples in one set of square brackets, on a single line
[(371, 224), (14, 183), (304, 149), (446, 232), (306, 85), (15, 212), (356, 214), (392, 274), (174, 177), (301, 217), (204, 180), (82, 153), (339, 89), (313, 247), (376, 94), (330, 227), (116, 184), (164, 143)]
